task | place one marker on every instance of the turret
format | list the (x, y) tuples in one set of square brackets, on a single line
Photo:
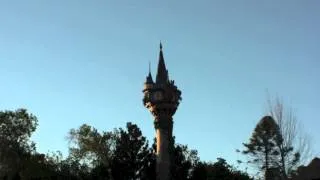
[(148, 85), (148, 88)]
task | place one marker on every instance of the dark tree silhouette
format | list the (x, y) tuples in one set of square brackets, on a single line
[(129, 156), (219, 170), (89, 148), (295, 146), (262, 147), (16, 147), (116, 155), (200, 171), (184, 161), (131, 153)]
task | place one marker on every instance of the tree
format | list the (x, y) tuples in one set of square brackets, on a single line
[(38, 166), (90, 148), (129, 157), (262, 147), (131, 153), (200, 171), (184, 162), (295, 146), (121, 154), (60, 168), (16, 147), (219, 170)]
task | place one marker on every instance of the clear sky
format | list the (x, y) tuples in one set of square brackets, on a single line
[(71, 62)]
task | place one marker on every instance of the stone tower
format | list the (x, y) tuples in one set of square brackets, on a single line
[(162, 98)]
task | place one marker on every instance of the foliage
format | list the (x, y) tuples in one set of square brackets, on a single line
[(16, 147), (131, 153), (184, 161), (130, 157), (219, 170), (90, 146), (295, 146), (262, 146), (123, 154), (113, 155), (91, 149)]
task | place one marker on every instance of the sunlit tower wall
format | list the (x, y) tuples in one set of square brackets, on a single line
[(162, 98)]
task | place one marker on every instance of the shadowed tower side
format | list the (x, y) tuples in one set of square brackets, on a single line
[(162, 98)]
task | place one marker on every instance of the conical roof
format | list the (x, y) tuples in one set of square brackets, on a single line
[(149, 79), (162, 73)]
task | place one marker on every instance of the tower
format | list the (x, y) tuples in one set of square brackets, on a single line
[(162, 98)]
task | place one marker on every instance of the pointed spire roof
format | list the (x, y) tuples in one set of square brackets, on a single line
[(162, 73), (149, 79)]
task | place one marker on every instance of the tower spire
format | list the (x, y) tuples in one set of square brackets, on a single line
[(149, 79), (162, 99), (162, 73)]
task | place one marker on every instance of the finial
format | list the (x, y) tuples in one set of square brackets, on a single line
[(149, 67), (160, 46)]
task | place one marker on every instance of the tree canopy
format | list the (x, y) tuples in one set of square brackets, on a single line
[(121, 154)]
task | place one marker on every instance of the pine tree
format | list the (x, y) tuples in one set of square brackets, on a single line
[(262, 147)]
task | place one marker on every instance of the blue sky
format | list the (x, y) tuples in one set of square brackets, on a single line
[(74, 62)]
